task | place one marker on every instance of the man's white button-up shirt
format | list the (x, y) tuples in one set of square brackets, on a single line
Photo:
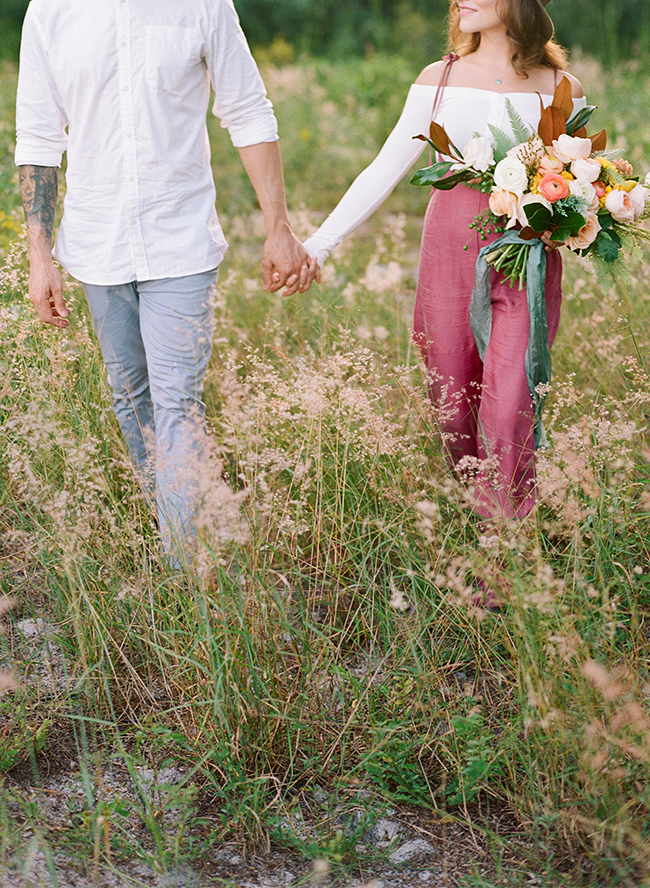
[(124, 86)]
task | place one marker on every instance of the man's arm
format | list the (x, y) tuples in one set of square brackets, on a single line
[(39, 187), (285, 262)]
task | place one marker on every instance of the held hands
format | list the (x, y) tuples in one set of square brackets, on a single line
[(285, 263), (46, 292)]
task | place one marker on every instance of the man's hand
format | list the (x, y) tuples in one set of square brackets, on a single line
[(39, 190), (46, 291), (285, 262)]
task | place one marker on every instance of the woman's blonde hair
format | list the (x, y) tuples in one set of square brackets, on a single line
[(527, 27)]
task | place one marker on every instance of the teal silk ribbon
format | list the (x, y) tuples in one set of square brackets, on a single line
[(538, 354)]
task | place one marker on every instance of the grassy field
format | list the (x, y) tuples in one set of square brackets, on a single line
[(324, 638)]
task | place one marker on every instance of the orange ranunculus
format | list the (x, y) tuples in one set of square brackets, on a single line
[(553, 187)]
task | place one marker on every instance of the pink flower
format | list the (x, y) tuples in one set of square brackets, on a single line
[(620, 206), (550, 164), (586, 168), (587, 234), (600, 188), (553, 187), (505, 203), (568, 148), (638, 197)]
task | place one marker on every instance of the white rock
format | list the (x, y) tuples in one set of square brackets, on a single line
[(410, 849)]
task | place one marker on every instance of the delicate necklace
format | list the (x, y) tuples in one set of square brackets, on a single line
[(498, 80)]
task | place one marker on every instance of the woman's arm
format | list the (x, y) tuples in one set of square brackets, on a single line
[(371, 188)]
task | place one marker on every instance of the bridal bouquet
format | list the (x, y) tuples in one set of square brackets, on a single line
[(557, 182)]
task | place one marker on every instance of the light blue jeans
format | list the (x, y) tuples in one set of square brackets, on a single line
[(156, 341)]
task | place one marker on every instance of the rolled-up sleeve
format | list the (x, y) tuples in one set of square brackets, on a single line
[(240, 102), (41, 121)]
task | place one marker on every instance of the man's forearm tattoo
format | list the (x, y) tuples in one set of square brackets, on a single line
[(39, 187)]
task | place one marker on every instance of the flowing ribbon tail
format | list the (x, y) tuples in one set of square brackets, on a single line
[(538, 355)]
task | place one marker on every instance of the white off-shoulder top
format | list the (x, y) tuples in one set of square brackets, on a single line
[(464, 111)]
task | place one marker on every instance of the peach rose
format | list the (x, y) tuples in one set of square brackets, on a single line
[(553, 187), (587, 234), (550, 164), (505, 203)]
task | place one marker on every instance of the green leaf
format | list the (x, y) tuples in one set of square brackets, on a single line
[(575, 221), (450, 182), (539, 217), (580, 118), (503, 142), (607, 247), (431, 175), (520, 129)]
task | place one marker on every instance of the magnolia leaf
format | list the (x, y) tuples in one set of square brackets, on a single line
[(551, 125), (431, 175), (450, 182), (440, 138), (576, 221), (563, 98), (580, 120), (540, 218), (528, 233), (599, 141)]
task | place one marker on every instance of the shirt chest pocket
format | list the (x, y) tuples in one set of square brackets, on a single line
[(172, 58)]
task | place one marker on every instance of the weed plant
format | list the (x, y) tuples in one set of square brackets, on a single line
[(323, 644)]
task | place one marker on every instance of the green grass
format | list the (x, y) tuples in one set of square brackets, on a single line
[(322, 639)]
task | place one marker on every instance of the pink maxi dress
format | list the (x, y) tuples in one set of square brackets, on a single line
[(484, 408)]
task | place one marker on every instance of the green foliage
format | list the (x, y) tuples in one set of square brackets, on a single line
[(613, 30)]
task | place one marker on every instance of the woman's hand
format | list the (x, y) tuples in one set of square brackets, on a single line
[(551, 245)]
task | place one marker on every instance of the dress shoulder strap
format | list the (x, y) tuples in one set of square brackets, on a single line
[(449, 60)]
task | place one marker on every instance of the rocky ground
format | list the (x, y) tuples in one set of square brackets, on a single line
[(390, 847)]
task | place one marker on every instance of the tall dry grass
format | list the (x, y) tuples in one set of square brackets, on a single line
[(323, 637)]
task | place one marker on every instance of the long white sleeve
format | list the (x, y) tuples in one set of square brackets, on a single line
[(371, 187)]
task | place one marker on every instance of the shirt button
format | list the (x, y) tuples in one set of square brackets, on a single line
[(131, 178), (132, 220), (129, 135)]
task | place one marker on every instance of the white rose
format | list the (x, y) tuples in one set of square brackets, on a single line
[(647, 180), (510, 174), (568, 148), (527, 199), (586, 168), (478, 154), (585, 190)]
